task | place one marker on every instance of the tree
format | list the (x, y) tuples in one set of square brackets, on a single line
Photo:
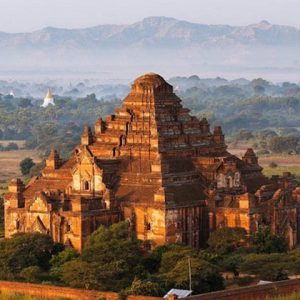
[(24, 102), (231, 263), (226, 240), (152, 261), (282, 144), (245, 134), (80, 274), (205, 276), (25, 165), (25, 250), (145, 288), (116, 254), (273, 165), (174, 253), (265, 242), (33, 274), (272, 266), (59, 260), (259, 85), (11, 146), (37, 169)]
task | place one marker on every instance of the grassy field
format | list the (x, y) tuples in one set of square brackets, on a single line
[(279, 170), (285, 163), (20, 144), (10, 161)]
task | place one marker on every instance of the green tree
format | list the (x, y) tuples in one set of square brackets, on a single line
[(24, 102), (25, 250), (11, 146), (271, 267), (282, 144), (175, 253), (146, 288), (226, 240), (116, 254), (245, 134), (152, 260), (25, 165), (33, 274), (205, 276), (80, 274), (273, 165), (266, 242), (231, 263), (57, 262)]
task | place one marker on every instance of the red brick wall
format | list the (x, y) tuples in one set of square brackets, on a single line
[(255, 292), (51, 291)]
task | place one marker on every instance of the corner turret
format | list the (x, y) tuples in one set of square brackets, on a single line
[(250, 157), (87, 136), (218, 135), (14, 198), (53, 161), (99, 126)]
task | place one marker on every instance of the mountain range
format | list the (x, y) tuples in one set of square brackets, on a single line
[(162, 43)]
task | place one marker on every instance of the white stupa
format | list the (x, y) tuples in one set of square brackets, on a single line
[(48, 100)]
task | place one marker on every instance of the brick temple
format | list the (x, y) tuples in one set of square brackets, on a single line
[(158, 167)]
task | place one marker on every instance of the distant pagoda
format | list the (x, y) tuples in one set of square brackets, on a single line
[(48, 100)]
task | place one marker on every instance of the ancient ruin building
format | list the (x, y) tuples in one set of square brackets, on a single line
[(154, 164)]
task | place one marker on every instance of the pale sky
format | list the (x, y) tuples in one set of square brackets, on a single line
[(29, 15)]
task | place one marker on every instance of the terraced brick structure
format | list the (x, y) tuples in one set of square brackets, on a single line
[(158, 167)]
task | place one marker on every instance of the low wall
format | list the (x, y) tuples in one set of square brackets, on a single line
[(258, 292), (247, 293), (50, 291)]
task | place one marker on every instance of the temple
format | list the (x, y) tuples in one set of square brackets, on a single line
[(48, 100), (158, 167)]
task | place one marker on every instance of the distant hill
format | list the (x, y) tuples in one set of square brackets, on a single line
[(155, 43)]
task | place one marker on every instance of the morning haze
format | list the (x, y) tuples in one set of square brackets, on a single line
[(78, 13)]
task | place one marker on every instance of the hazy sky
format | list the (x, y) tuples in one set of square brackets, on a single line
[(28, 15)]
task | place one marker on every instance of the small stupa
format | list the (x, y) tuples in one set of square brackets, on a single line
[(48, 100)]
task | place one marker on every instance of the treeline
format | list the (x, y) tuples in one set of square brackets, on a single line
[(266, 141), (251, 105), (254, 105), (59, 126), (114, 260)]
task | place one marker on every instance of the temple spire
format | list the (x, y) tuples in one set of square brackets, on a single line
[(48, 100)]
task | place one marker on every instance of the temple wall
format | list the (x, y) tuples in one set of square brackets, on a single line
[(232, 217), (187, 225)]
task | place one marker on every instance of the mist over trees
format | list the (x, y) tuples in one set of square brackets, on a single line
[(247, 110)]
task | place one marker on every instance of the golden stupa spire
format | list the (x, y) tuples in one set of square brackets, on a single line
[(49, 94)]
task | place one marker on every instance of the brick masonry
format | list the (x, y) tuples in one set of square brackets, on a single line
[(281, 288), (50, 291), (254, 293)]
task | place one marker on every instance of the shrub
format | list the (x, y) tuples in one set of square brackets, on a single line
[(263, 152), (32, 274), (12, 146), (25, 165), (244, 281), (273, 165)]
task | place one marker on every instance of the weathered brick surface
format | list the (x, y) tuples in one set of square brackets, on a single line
[(254, 293)]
